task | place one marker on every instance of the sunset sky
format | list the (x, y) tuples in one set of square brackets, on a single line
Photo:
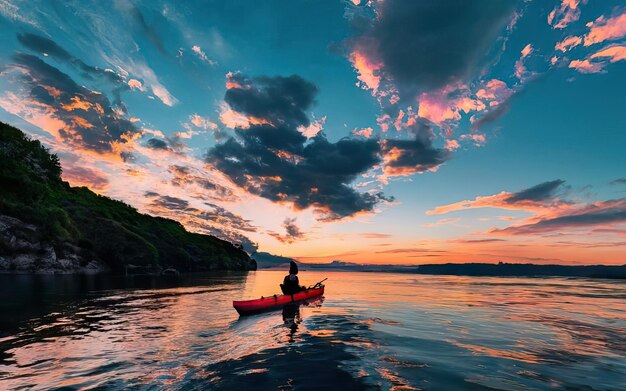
[(390, 131)]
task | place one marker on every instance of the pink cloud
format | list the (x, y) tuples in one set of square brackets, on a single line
[(365, 132), (202, 122), (585, 66), (603, 214), (603, 29), (568, 12), (494, 90), (85, 176), (439, 107), (443, 222), (612, 53), (452, 145), (568, 43), (477, 138), (135, 84), (198, 50), (313, 129), (596, 62), (367, 70), (502, 200)]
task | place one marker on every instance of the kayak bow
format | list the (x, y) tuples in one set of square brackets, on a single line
[(249, 307)]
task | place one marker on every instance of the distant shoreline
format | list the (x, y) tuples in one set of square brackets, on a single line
[(501, 269)]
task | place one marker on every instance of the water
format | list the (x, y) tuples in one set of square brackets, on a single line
[(371, 331)]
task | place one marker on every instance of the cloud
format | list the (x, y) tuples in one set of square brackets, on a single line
[(374, 235), (281, 101), (551, 214), (314, 128), (442, 222), (603, 29), (539, 198), (274, 160), (186, 176), (619, 181), (477, 241), (149, 31), (292, 232), (422, 46), (604, 214), (597, 61), (568, 43), (202, 122), (407, 157), (209, 219), (82, 118), (42, 45), (564, 14), (85, 176), (538, 193), (156, 143), (365, 132), (198, 50)]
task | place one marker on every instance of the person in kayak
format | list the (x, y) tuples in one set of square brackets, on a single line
[(291, 284)]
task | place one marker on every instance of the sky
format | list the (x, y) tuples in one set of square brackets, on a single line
[(389, 131)]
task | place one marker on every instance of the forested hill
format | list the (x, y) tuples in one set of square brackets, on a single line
[(47, 225)]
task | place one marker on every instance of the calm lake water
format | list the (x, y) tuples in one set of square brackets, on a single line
[(370, 331)]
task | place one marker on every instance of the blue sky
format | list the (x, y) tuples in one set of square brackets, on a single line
[(333, 130)]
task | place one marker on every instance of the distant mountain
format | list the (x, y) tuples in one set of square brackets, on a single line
[(266, 260), (48, 226), (500, 269)]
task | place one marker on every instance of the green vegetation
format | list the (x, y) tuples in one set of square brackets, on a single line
[(112, 232)]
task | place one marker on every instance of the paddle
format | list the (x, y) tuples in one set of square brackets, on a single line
[(317, 284)]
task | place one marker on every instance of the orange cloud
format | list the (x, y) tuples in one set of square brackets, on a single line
[(568, 12), (568, 43), (367, 70), (84, 176), (313, 129), (202, 122), (603, 29), (586, 66), (365, 132), (612, 53)]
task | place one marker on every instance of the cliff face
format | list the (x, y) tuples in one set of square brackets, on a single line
[(48, 226)]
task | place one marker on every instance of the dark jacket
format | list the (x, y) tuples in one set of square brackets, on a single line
[(291, 284)]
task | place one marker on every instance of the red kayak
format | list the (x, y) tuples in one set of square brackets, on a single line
[(249, 307)]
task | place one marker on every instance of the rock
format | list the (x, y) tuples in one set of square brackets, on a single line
[(24, 250)]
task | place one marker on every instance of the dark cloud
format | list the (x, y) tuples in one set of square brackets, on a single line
[(183, 175), (282, 101), (171, 203), (156, 143), (619, 181), (541, 192), (403, 157), (213, 220), (471, 241), (148, 30), (292, 231), (91, 121), (85, 176), (42, 45), (424, 45), (278, 163), (491, 115), (226, 218), (173, 144), (608, 213)]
